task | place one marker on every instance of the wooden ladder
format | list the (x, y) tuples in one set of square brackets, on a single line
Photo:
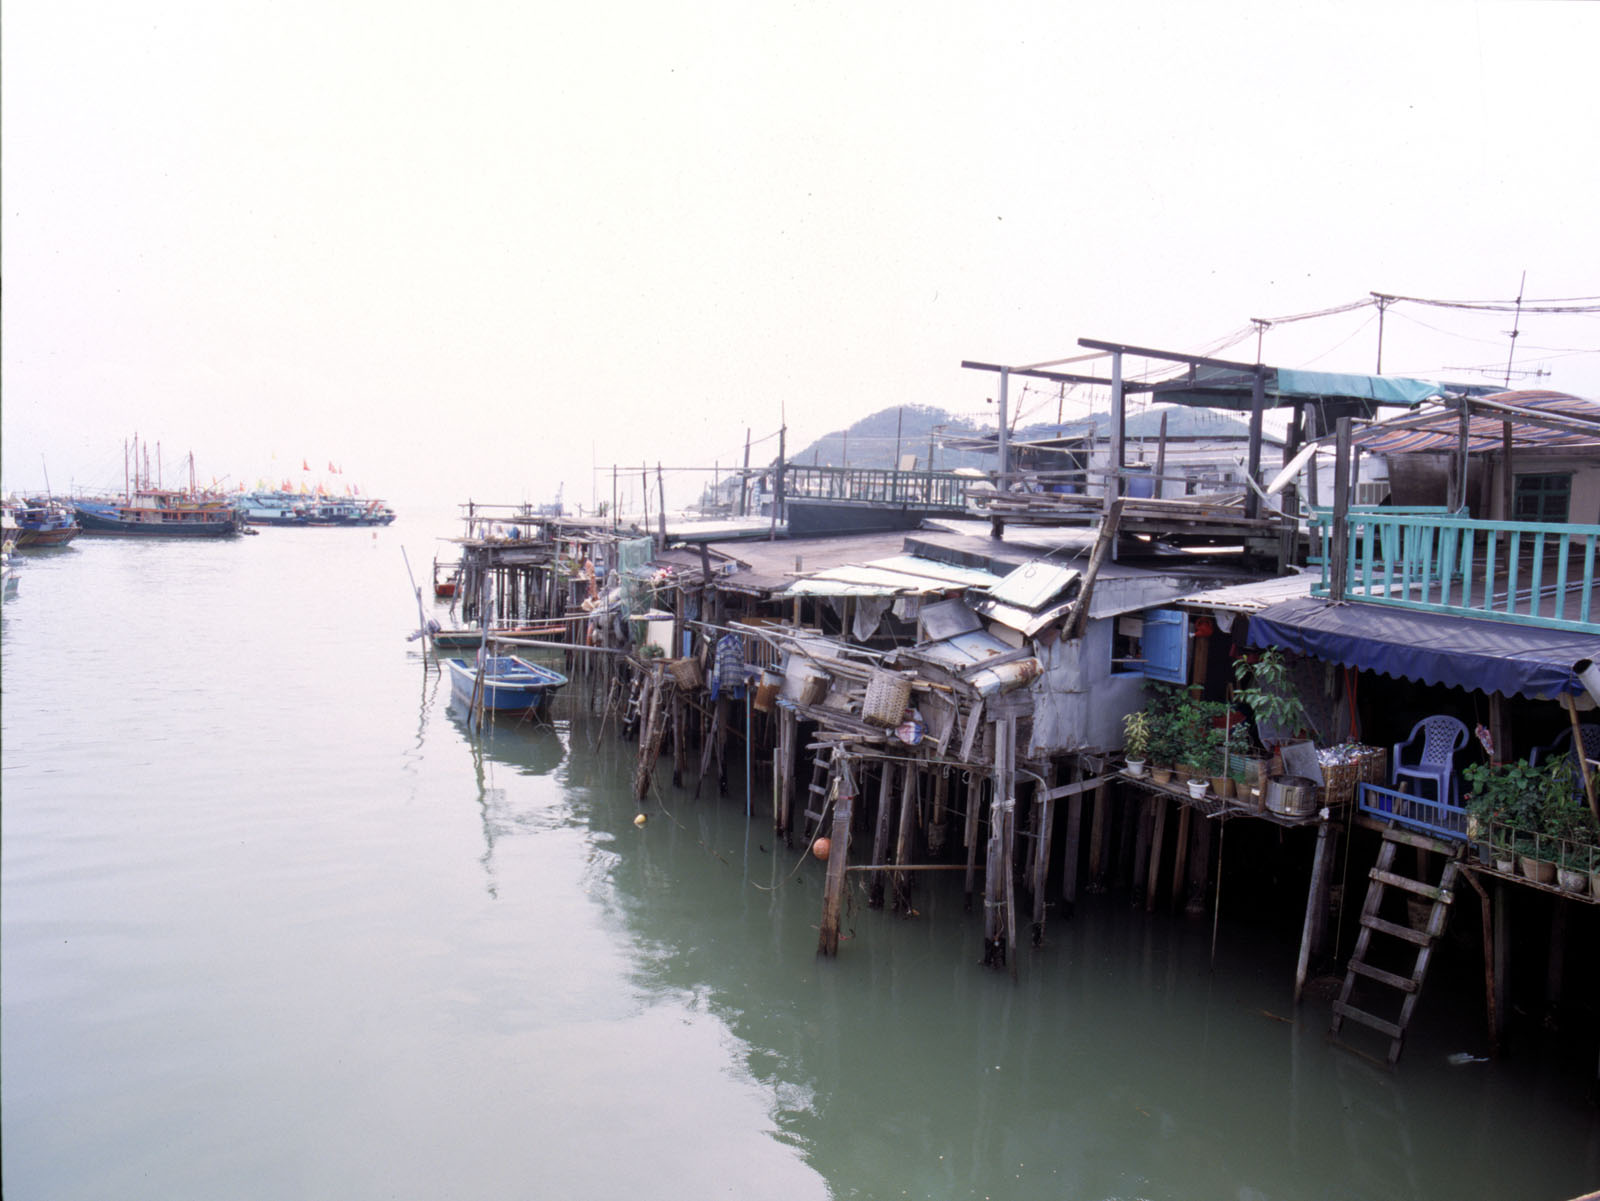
[(1420, 942), (817, 795)]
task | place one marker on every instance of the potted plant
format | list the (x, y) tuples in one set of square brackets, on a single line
[(1164, 742), (1136, 740), (1192, 724), (1505, 806), (1263, 687)]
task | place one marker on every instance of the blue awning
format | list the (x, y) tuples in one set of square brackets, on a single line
[(1435, 648)]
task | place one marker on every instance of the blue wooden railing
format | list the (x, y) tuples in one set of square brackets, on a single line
[(1533, 573), (1445, 820)]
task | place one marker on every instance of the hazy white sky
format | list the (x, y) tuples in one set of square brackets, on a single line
[(478, 248)]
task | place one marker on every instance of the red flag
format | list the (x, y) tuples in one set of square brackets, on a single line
[(332, 468), (304, 466)]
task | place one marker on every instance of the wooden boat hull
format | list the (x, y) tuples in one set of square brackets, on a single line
[(162, 523), (510, 684), (469, 639)]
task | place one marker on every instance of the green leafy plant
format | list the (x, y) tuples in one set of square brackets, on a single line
[(1263, 687), (1165, 742), (1136, 734)]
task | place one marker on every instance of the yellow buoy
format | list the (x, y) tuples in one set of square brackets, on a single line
[(640, 820)]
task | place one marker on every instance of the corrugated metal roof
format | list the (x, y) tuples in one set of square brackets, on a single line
[(899, 575), (1254, 596)]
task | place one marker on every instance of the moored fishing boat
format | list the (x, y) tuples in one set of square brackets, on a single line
[(273, 508), (43, 522), (507, 684), (446, 578), (466, 637), (151, 510), (158, 511)]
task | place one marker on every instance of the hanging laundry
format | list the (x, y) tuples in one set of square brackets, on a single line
[(729, 679)]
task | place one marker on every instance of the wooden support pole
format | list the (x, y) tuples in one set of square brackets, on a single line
[(789, 723), (1097, 839), (838, 855), (1069, 865), (1502, 961), (1486, 923), (1043, 813), (1316, 905), (680, 749), (973, 787), (1144, 821), (1583, 757), (940, 812), (1555, 966), (1258, 406), (1153, 877), (1199, 867), (1180, 858), (1338, 568), (880, 831), (904, 846)]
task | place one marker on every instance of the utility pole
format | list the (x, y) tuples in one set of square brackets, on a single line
[(1383, 303), (1262, 326), (1516, 326)]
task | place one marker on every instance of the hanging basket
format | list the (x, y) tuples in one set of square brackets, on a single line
[(686, 673), (888, 693)]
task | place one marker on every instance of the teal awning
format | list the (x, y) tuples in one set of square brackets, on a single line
[(1230, 388)]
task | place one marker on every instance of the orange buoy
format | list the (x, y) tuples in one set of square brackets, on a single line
[(821, 847)]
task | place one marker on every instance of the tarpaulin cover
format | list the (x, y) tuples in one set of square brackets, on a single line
[(1486, 428), (1484, 656)]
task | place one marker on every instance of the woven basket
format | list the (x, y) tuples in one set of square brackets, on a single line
[(1339, 782), (686, 673), (887, 695), (1372, 765)]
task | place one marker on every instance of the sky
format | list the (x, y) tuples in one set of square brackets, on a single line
[(489, 249)]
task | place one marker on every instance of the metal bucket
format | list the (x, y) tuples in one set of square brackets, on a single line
[(1292, 796)]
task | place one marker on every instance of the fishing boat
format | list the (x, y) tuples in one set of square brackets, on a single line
[(467, 637), (273, 508), (159, 511), (43, 522), (446, 578), (147, 509), (508, 684)]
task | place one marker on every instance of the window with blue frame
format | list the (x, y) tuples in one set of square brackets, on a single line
[(1153, 644)]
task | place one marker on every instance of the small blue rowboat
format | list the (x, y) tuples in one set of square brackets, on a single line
[(510, 684)]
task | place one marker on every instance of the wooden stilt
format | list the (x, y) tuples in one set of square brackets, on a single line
[(1069, 865), (1502, 961), (1144, 822), (880, 832), (940, 813), (1153, 878), (838, 855), (904, 848), (973, 787), (1555, 967), (1097, 837), (1200, 867), (680, 752), (1180, 858), (1044, 812), (1316, 905)]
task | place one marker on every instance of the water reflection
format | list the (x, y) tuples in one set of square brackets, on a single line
[(1120, 1063)]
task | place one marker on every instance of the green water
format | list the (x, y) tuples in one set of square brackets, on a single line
[(274, 925)]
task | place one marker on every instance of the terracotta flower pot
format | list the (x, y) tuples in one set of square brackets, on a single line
[(1540, 871)]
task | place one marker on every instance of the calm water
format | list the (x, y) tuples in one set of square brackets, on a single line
[(273, 926)]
